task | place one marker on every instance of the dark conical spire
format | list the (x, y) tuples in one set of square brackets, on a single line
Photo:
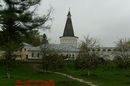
[(68, 31), (44, 36), (44, 39), (69, 14)]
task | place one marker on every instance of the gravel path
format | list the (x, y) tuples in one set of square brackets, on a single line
[(74, 78)]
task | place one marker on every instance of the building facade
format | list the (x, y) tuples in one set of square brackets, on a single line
[(67, 47)]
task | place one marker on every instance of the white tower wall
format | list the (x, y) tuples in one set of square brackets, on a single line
[(69, 41)]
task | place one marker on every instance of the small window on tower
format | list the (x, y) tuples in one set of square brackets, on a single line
[(32, 54), (26, 56), (38, 55)]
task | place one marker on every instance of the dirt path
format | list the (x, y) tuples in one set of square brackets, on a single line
[(74, 78)]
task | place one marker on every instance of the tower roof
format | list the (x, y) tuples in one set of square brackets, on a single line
[(69, 14), (44, 36), (68, 30)]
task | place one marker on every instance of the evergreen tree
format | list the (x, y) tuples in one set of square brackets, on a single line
[(17, 19), (33, 38), (44, 39)]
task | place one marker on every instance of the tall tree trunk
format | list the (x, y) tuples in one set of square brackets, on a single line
[(9, 57)]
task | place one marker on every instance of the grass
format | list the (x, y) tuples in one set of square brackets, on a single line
[(101, 76), (25, 72)]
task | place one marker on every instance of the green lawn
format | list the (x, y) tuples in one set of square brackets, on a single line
[(25, 72), (102, 76)]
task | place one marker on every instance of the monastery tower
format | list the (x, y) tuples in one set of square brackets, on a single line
[(68, 37)]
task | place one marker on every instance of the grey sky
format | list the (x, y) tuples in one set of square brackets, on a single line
[(105, 20)]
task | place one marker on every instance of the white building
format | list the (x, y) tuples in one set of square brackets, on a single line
[(67, 46)]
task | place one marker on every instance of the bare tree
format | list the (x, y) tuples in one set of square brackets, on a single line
[(88, 54), (50, 57), (88, 45), (122, 52), (123, 48)]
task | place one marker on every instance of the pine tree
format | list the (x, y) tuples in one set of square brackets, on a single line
[(17, 18)]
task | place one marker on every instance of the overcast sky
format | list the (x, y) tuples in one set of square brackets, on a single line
[(105, 20)]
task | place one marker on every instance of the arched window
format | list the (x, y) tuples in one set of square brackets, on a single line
[(98, 49), (93, 49), (104, 49), (26, 56), (38, 55), (61, 55), (32, 54), (69, 55), (73, 56), (109, 49)]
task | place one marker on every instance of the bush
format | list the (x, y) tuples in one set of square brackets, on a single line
[(88, 54), (121, 62), (53, 62), (89, 61)]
